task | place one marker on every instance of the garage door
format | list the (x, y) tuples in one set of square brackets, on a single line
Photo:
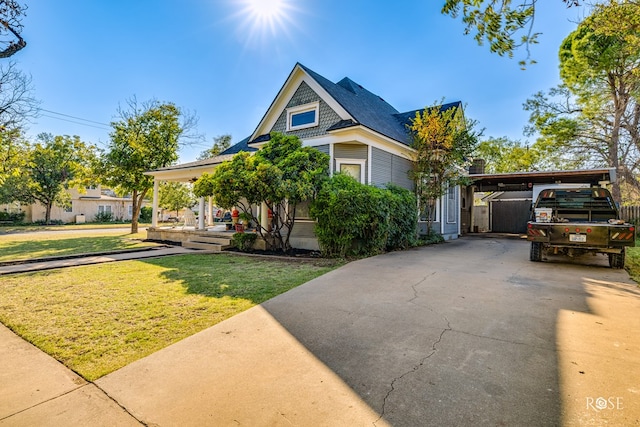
[(510, 216)]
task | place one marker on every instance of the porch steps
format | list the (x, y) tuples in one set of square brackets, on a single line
[(214, 244)]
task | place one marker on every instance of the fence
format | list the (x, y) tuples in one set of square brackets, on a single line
[(630, 214)]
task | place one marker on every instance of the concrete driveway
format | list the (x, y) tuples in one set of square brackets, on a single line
[(464, 333)]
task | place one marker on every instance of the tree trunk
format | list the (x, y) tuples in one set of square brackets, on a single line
[(47, 213)]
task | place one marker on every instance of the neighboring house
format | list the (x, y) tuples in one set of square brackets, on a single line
[(363, 135), (84, 207)]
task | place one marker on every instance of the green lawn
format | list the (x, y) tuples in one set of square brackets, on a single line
[(96, 319), (632, 262), (37, 245)]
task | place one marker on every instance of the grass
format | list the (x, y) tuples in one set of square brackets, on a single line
[(28, 228), (99, 318), (37, 245), (632, 262)]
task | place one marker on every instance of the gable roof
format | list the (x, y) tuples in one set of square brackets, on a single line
[(365, 108)]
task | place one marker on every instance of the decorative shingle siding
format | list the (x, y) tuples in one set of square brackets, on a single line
[(305, 95)]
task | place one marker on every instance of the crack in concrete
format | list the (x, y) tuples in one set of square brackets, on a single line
[(415, 367), (503, 340), (119, 404), (415, 290)]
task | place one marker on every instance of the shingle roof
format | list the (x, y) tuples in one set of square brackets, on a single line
[(368, 109), (240, 146)]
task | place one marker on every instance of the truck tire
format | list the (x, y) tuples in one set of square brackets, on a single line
[(616, 260), (536, 252)]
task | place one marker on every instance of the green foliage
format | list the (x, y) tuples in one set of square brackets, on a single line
[(504, 25), (52, 165), (14, 155), (146, 214), (14, 217), (281, 175), (403, 211), (360, 220), (244, 241), (105, 216), (145, 138), (220, 143), (593, 116), (443, 142), (175, 196)]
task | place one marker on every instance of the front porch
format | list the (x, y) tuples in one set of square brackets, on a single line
[(211, 238)]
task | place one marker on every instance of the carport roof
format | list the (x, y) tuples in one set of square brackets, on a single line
[(519, 181)]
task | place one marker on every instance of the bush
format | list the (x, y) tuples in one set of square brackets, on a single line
[(244, 241), (146, 214), (403, 210), (104, 216), (360, 220), (14, 217)]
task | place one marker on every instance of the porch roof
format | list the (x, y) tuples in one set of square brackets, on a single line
[(518, 181), (188, 172)]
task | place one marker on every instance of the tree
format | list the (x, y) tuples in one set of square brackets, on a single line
[(504, 25), (443, 142), (14, 151), (220, 143), (11, 14), (281, 175), (503, 155), (175, 196), (55, 164), (594, 115), (146, 137), (17, 104)]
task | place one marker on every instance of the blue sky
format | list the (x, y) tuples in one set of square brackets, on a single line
[(216, 58)]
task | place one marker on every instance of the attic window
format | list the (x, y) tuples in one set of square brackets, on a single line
[(303, 116)]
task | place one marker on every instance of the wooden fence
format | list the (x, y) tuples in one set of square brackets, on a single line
[(630, 214)]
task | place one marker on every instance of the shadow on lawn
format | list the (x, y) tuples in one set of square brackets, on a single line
[(233, 276), (27, 249)]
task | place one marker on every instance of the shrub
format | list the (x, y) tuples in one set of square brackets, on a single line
[(14, 217), (146, 214), (244, 241), (360, 220), (104, 216), (403, 209)]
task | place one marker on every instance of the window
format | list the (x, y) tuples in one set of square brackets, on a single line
[(433, 209), (452, 204), (130, 210), (103, 209), (69, 207), (302, 116), (352, 167)]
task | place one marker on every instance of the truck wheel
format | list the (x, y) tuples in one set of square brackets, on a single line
[(616, 260), (536, 252)]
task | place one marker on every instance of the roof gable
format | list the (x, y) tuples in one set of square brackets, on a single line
[(354, 105)]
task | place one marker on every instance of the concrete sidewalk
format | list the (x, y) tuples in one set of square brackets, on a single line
[(465, 333), (95, 259)]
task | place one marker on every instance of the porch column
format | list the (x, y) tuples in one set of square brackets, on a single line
[(154, 215), (264, 216), (210, 211), (201, 214)]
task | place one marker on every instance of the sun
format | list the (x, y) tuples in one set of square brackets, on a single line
[(265, 19), (266, 10)]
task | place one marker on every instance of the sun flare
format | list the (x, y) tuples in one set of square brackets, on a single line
[(265, 19)]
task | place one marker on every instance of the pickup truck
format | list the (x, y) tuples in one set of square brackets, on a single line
[(577, 221)]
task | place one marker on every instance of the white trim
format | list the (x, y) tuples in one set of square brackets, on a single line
[(369, 163), (360, 162), (455, 204), (331, 153), (305, 108)]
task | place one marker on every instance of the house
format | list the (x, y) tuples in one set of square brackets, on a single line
[(363, 135), (84, 207)]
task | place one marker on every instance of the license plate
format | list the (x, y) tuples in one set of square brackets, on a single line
[(578, 238)]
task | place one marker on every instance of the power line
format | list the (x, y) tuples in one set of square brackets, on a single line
[(74, 117), (77, 123)]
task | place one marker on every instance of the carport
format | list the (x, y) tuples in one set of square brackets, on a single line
[(513, 193)]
